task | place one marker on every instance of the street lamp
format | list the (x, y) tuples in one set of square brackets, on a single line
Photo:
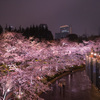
[(95, 54), (91, 53)]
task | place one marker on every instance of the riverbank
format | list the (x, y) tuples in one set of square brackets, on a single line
[(63, 73), (94, 91), (75, 86), (71, 70)]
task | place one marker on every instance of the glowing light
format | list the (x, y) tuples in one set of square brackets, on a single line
[(21, 93), (95, 54), (38, 78), (8, 90), (91, 53), (64, 26), (19, 96)]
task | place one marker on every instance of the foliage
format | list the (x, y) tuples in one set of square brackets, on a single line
[(27, 62), (41, 32)]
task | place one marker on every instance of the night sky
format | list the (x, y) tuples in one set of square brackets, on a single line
[(83, 15)]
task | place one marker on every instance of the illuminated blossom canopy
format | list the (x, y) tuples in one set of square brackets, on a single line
[(30, 61)]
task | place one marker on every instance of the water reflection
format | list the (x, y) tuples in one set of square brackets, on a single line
[(75, 86)]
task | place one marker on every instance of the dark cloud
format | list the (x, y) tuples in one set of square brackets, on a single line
[(83, 15)]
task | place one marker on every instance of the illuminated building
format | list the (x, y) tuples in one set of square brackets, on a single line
[(64, 31)]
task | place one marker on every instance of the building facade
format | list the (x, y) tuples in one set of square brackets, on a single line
[(64, 31)]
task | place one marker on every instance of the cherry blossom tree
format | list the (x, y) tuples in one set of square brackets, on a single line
[(30, 62)]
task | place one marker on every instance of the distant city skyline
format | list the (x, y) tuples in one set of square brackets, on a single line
[(83, 15)]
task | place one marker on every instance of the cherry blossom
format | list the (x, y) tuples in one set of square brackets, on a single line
[(30, 62)]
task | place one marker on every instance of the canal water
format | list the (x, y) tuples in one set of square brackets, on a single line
[(75, 86)]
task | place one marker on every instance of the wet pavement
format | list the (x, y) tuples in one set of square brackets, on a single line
[(75, 86)]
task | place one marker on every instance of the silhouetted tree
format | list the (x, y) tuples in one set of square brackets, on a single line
[(84, 37), (41, 32), (44, 33), (20, 29), (73, 37), (1, 29), (6, 28), (80, 39), (15, 30), (9, 29)]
